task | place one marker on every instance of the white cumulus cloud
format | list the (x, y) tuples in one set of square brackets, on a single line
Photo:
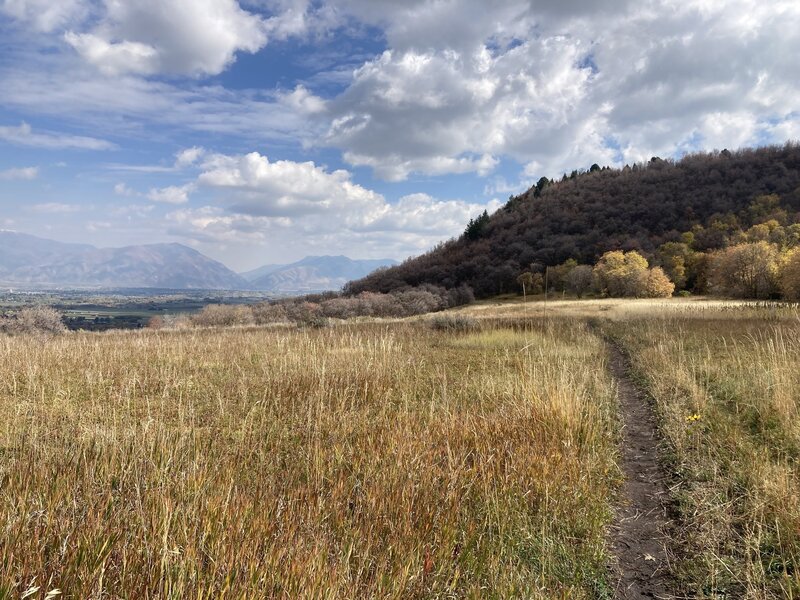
[(456, 112), (188, 156), (284, 188), (172, 194), (189, 37), (297, 205), (113, 58), (560, 85)]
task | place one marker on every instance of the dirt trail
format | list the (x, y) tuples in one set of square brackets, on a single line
[(638, 536)]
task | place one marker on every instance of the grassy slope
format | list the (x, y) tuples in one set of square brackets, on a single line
[(366, 461)]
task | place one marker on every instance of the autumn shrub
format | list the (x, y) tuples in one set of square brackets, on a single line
[(315, 310), (224, 315), (558, 275), (35, 320), (379, 305), (418, 301), (156, 322), (306, 314), (452, 322), (265, 313), (745, 271), (179, 321), (658, 285), (341, 308), (405, 303)]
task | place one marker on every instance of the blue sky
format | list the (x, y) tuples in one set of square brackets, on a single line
[(261, 131)]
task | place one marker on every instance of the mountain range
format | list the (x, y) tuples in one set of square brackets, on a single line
[(31, 260), (312, 274)]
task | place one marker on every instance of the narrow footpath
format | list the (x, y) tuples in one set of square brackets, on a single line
[(637, 538)]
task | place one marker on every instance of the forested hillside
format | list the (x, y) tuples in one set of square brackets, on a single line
[(675, 213)]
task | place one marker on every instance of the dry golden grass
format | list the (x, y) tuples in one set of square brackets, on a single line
[(624, 309), (363, 461), (727, 388)]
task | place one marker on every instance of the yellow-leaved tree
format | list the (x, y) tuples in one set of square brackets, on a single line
[(619, 274), (790, 275), (745, 270)]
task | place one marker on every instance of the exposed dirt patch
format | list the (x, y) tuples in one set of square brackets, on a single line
[(638, 537)]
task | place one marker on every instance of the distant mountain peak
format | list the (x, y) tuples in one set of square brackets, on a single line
[(28, 259), (313, 273)]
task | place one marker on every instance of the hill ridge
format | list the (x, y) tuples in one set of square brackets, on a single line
[(581, 216)]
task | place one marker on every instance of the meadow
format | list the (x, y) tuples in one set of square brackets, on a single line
[(356, 461), (397, 459)]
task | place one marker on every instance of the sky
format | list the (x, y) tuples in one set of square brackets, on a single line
[(262, 131)]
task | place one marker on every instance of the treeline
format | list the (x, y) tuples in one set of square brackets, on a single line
[(760, 262), (315, 310), (754, 269), (617, 274), (675, 214)]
